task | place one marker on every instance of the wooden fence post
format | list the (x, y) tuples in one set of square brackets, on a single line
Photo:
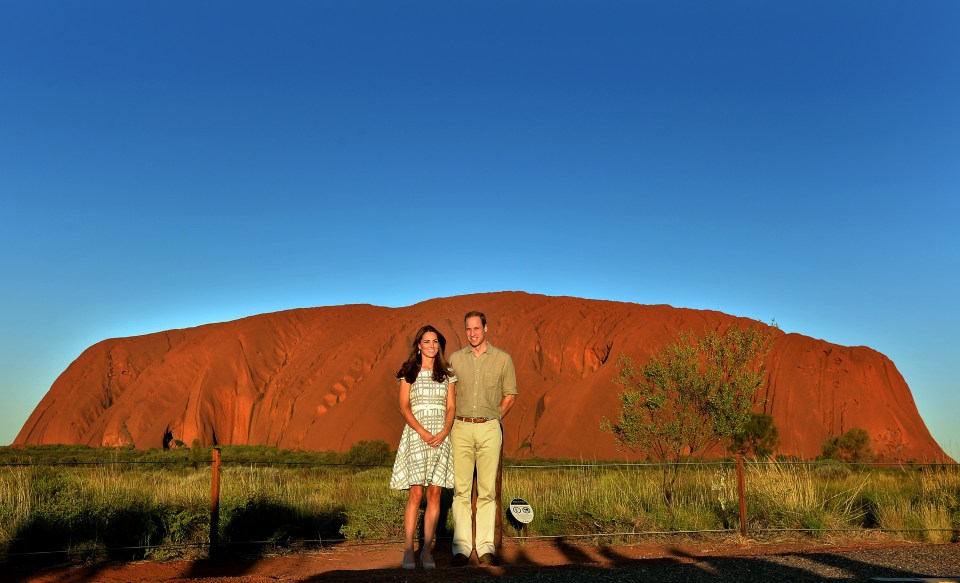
[(740, 493), (215, 504)]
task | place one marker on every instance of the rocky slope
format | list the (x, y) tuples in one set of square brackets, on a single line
[(323, 378)]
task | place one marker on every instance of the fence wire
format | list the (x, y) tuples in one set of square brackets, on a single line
[(508, 465)]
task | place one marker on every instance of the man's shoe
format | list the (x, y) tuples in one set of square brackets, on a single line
[(459, 560), (489, 560)]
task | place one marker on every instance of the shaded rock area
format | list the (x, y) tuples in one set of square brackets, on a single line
[(323, 378)]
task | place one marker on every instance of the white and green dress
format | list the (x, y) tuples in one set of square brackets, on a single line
[(418, 464)]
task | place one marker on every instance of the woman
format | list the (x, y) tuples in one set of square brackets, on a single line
[(424, 457)]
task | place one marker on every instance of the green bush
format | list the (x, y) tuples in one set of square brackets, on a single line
[(830, 469), (369, 453), (183, 525), (373, 522), (852, 447)]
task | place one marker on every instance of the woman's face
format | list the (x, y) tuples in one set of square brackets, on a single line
[(429, 344)]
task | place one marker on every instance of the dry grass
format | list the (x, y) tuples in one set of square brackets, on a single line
[(159, 506)]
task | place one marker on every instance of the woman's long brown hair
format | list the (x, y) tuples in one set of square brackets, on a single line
[(411, 367)]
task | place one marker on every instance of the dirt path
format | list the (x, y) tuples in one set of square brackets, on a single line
[(556, 560)]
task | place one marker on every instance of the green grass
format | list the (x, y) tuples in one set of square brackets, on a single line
[(130, 505)]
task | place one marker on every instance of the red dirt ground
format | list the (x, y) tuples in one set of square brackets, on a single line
[(380, 562)]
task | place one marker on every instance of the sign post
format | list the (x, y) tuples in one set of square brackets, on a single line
[(522, 513)]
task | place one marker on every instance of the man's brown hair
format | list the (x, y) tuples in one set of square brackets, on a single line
[(475, 314)]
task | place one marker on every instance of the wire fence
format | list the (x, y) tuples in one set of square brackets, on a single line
[(946, 489)]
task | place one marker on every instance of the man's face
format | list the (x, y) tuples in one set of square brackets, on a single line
[(476, 331)]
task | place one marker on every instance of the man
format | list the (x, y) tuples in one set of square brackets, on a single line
[(486, 389)]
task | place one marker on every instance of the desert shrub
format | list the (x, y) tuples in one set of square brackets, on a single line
[(852, 447), (377, 521), (185, 525), (70, 514), (199, 455), (369, 453), (55, 522), (871, 500), (138, 525), (830, 469)]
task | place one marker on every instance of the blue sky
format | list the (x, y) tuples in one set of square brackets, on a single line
[(170, 164)]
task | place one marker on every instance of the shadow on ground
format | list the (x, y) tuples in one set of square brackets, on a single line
[(610, 565), (247, 532)]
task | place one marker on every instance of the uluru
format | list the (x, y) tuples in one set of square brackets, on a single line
[(324, 378)]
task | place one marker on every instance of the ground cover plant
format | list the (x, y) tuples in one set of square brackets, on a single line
[(132, 504)]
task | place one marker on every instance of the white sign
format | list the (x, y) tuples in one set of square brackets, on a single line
[(521, 510)]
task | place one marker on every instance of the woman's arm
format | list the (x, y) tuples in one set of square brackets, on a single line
[(448, 421), (407, 412)]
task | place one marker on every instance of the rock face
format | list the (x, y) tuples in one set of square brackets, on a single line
[(323, 378)]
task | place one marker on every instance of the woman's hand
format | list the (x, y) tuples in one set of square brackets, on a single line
[(437, 439)]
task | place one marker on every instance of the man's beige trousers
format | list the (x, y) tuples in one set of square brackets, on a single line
[(475, 445)]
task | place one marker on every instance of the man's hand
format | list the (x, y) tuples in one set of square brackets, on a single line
[(506, 403)]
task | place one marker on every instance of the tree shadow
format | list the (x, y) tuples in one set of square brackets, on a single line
[(259, 521), (675, 565), (48, 538), (87, 546), (802, 567), (261, 526)]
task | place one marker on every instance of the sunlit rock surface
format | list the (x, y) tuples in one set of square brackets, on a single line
[(323, 378)]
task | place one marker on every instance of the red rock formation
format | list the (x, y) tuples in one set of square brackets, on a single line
[(323, 378)]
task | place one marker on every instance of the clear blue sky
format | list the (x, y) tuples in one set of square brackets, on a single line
[(166, 164)]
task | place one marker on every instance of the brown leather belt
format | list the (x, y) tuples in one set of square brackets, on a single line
[(472, 419)]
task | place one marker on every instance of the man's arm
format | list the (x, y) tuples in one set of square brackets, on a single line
[(508, 384), (506, 403)]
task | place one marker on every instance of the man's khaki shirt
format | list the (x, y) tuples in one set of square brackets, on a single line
[(483, 382)]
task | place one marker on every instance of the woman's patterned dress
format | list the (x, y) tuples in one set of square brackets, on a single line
[(417, 463)]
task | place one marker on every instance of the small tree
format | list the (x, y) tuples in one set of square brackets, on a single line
[(689, 396), (759, 436), (851, 447)]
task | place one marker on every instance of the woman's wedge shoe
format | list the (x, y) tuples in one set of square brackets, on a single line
[(427, 559), (409, 560)]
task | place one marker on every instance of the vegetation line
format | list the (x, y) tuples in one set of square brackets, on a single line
[(601, 465), (92, 463), (113, 510), (129, 548)]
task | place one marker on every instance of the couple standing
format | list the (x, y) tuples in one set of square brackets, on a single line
[(453, 410)]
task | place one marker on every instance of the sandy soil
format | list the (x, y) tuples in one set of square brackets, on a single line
[(555, 560)]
